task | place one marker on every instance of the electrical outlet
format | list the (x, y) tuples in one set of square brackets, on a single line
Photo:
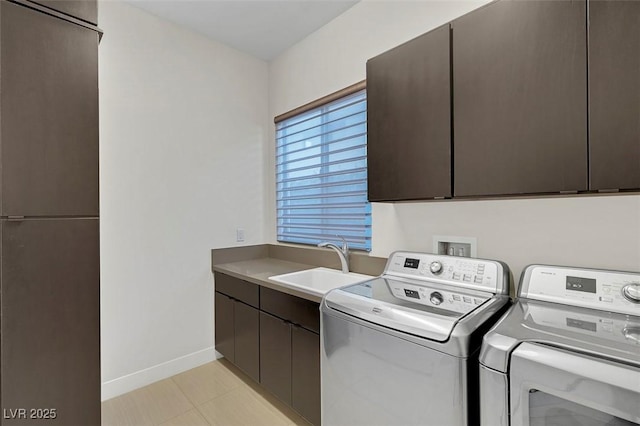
[(240, 235), (455, 246)]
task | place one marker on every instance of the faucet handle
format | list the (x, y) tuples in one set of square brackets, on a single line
[(345, 245)]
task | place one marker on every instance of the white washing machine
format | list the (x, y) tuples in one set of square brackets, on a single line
[(566, 353), (402, 349)]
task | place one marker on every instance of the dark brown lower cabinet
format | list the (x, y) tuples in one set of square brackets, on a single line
[(50, 287), (237, 329), (277, 345), (305, 373), (247, 339), (237, 325), (290, 365), (224, 326), (275, 356)]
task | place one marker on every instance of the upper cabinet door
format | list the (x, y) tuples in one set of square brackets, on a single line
[(409, 120), (520, 99), (49, 115), (87, 10), (614, 96)]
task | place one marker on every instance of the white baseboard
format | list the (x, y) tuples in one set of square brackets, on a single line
[(141, 378)]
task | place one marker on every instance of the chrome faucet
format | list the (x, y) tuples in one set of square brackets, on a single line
[(343, 253)]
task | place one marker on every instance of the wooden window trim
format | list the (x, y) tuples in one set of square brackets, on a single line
[(323, 100)]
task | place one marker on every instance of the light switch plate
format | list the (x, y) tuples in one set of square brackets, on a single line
[(240, 235)]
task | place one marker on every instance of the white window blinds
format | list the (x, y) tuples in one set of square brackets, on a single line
[(321, 174)]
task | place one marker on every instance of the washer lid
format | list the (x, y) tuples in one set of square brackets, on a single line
[(420, 308), (603, 334)]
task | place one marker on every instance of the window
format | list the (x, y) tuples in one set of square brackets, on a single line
[(321, 174)]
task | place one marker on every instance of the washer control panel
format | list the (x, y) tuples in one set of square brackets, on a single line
[(434, 296), (611, 291), (479, 274)]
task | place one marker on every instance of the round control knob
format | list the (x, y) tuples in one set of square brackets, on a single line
[(436, 298), (435, 267), (631, 292)]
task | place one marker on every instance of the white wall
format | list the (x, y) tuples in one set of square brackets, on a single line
[(183, 124), (600, 231)]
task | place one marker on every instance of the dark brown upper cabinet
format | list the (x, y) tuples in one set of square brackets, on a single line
[(86, 10), (409, 120), (614, 94), (49, 101), (520, 99)]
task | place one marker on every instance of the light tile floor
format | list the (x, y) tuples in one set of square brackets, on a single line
[(215, 394)]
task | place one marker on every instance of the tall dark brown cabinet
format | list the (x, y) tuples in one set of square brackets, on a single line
[(49, 224), (86, 10)]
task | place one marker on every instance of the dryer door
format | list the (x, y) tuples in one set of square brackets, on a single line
[(551, 386)]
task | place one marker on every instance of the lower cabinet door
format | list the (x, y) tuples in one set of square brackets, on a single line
[(50, 322), (275, 356), (224, 325), (247, 339), (305, 370)]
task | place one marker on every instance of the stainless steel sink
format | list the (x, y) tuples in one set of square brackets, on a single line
[(319, 281)]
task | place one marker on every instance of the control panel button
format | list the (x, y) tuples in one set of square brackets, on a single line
[(457, 298), (478, 280), (456, 276), (478, 301), (436, 298), (466, 299), (606, 299), (466, 277)]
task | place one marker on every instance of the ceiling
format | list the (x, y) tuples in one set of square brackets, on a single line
[(261, 28)]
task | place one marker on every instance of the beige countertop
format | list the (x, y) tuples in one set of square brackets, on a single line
[(258, 272), (256, 264)]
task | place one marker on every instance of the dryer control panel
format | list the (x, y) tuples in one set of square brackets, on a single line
[(477, 274), (610, 291)]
